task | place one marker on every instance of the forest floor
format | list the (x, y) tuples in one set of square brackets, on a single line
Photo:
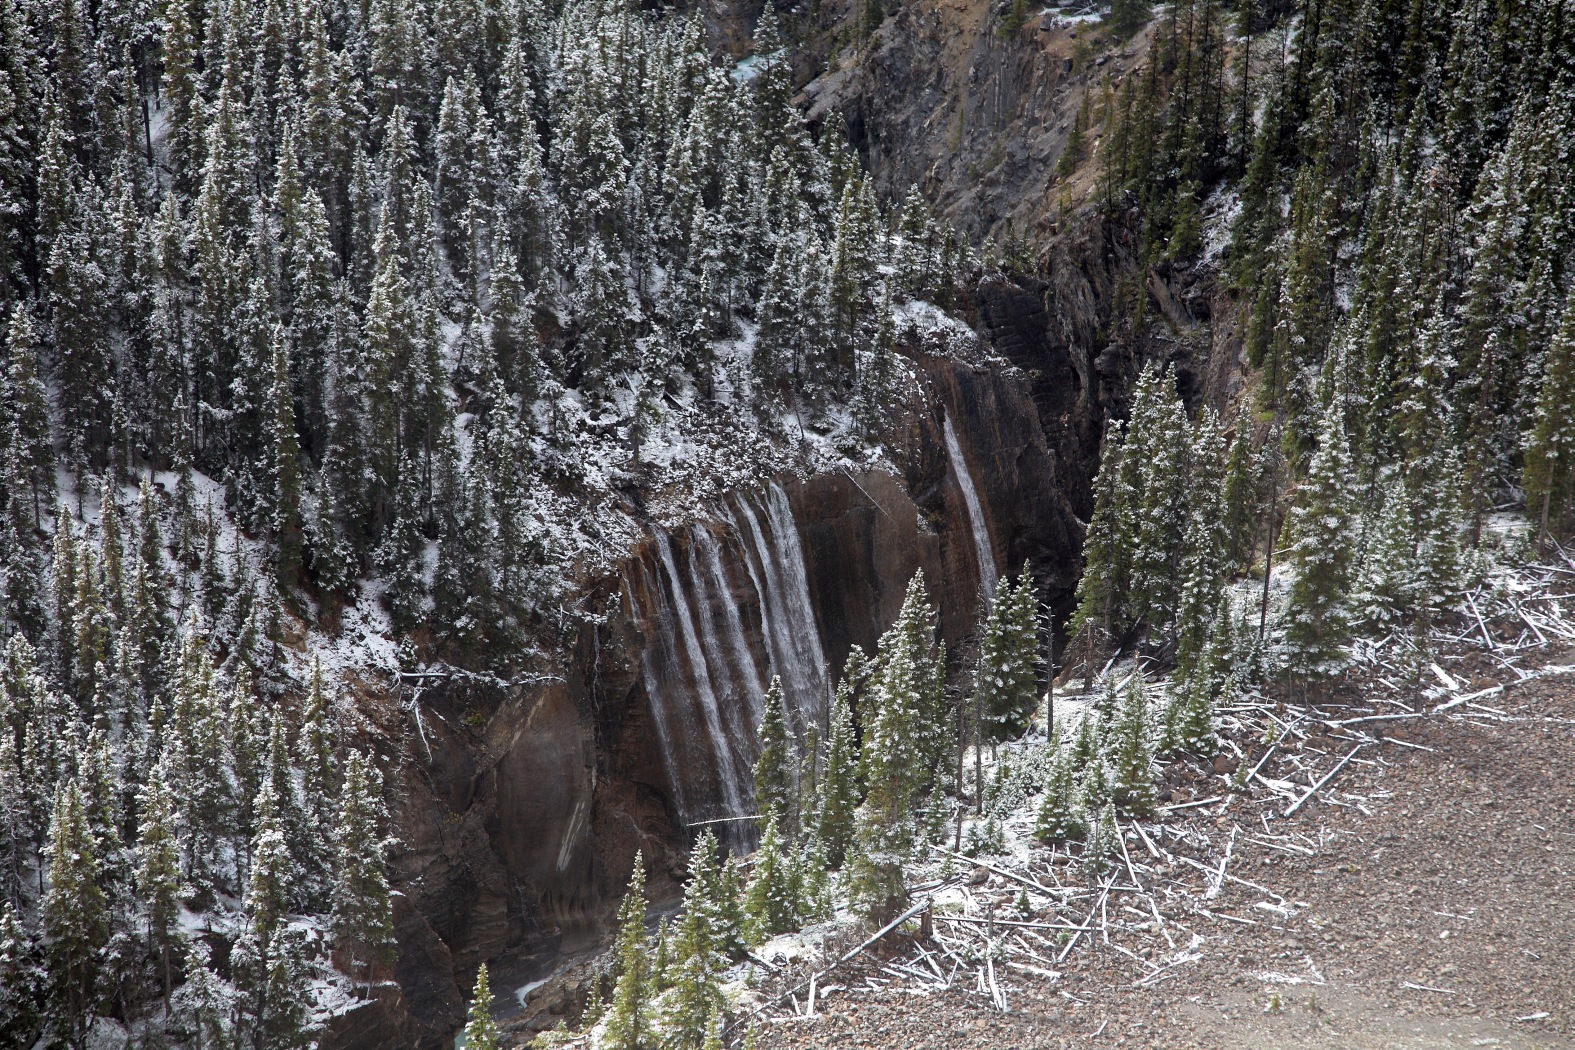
[(1433, 908)]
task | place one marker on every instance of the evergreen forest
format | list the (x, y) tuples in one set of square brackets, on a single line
[(335, 328)]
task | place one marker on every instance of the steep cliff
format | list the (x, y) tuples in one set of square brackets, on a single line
[(948, 97), (521, 804)]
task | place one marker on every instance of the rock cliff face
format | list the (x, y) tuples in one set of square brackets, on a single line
[(521, 805), (947, 97)]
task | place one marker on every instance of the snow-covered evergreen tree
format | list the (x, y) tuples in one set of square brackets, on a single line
[(158, 874), (1100, 846), (1130, 753), (1006, 682), (1060, 817), (75, 920), (1549, 475), (1317, 615), (776, 787), (481, 1031), (627, 1025), (20, 979), (839, 794), (695, 998), (771, 904), (363, 921), (904, 727)]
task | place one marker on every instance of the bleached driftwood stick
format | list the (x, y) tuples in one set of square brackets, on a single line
[(1323, 780), (1103, 893), (1048, 891), (792, 993)]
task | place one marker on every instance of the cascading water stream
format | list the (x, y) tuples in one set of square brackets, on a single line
[(656, 661), (729, 778), (734, 678), (791, 635), (747, 677), (812, 696), (984, 553), (700, 669)]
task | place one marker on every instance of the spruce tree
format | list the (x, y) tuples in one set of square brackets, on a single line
[(839, 795), (812, 879), (776, 793), (661, 959), (285, 488), (158, 874), (27, 416), (904, 741), (1201, 596), (1100, 845), (363, 923), (713, 883), (481, 1031), (1549, 474), (1006, 682), (1390, 575), (316, 755), (1191, 715), (1243, 503), (732, 922), (1154, 470), (696, 995), (75, 920), (628, 1022), (206, 1010), (1130, 754), (196, 767), (771, 905), (1060, 818), (20, 981), (16, 837), (1102, 587), (937, 818), (1317, 623), (267, 970)]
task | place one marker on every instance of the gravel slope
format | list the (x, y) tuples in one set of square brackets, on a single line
[(1443, 917)]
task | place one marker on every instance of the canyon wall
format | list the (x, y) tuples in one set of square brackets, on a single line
[(947, 97), (520, 805)]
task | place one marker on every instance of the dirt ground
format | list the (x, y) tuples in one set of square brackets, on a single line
[(1442, 918)]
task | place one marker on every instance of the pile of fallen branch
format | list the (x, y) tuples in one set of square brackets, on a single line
[(1009, 922)]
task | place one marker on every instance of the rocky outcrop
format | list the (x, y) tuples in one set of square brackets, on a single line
[(946, 98), (522, 803), (381, 1019)]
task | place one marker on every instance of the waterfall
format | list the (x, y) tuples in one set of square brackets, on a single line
[(699, 666), (811, 696), (733, 675), (691, 729), (746, 678), (791, 634), (656, 661), (983, 552)]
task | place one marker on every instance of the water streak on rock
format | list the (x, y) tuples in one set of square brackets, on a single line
[(984, 553)]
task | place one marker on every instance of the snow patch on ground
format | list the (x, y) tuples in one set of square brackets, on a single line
[(1220, 212)]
